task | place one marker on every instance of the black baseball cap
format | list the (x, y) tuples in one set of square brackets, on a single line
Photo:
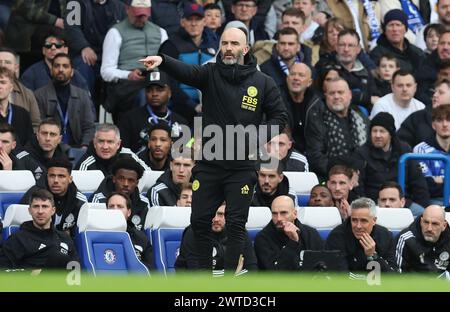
[(159, 78)]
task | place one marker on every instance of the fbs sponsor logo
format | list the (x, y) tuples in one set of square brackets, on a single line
[(249, 101), (195, 185)]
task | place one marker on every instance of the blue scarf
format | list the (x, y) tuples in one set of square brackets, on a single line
[(283, 65), (415, 20), (372, 20)]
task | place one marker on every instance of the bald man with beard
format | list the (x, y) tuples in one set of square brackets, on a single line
[(425, 245), (234, 94)]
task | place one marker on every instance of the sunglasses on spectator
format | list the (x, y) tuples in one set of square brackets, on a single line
[(58, 45)]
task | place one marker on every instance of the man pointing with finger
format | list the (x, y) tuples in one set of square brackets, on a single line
[(361, 240), (234, 94)]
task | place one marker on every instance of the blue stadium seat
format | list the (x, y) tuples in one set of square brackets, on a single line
[(168, 226), (7, 199), (87, 181), (258, 218), (303, 199), (15, 215), (149, 220), (302, 183), (103, 244), (148, 180), (13, 185), (323, 219), (75, 155), (394, 219)]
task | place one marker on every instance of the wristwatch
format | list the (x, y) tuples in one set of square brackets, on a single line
[(373, 257)]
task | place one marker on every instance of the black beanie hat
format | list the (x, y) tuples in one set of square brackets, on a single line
[(396, 15), (384, 120)]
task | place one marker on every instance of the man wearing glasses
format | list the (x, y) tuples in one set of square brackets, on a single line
[(39, 75), (244, 11), (359, 78)]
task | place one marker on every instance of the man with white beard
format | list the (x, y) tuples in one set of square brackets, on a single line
[(425, 245)]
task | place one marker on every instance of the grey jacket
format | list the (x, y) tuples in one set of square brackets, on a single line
[(81, 116)]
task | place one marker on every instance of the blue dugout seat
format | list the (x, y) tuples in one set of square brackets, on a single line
[(394, 219), (103, 244), (167, 230), (13, 185), (302, 183), (15, 215), (323, 219)]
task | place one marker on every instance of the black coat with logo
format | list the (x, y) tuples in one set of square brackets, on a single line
[(342, 238), (67, 207), (232, 95), (139, 203), (415, 254), (34, 248)]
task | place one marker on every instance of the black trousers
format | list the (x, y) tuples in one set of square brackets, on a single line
[(212, 185)]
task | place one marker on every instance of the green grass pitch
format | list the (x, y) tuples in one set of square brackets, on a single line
[(301, 282)]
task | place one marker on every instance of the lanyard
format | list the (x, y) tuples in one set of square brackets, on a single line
[(154, 119), (10, 114), (65, 121)]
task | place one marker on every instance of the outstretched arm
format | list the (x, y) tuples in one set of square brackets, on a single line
[(192, 75), (151, 62)]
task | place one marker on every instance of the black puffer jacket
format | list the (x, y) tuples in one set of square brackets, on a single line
[(417, 127), (232, 95)]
